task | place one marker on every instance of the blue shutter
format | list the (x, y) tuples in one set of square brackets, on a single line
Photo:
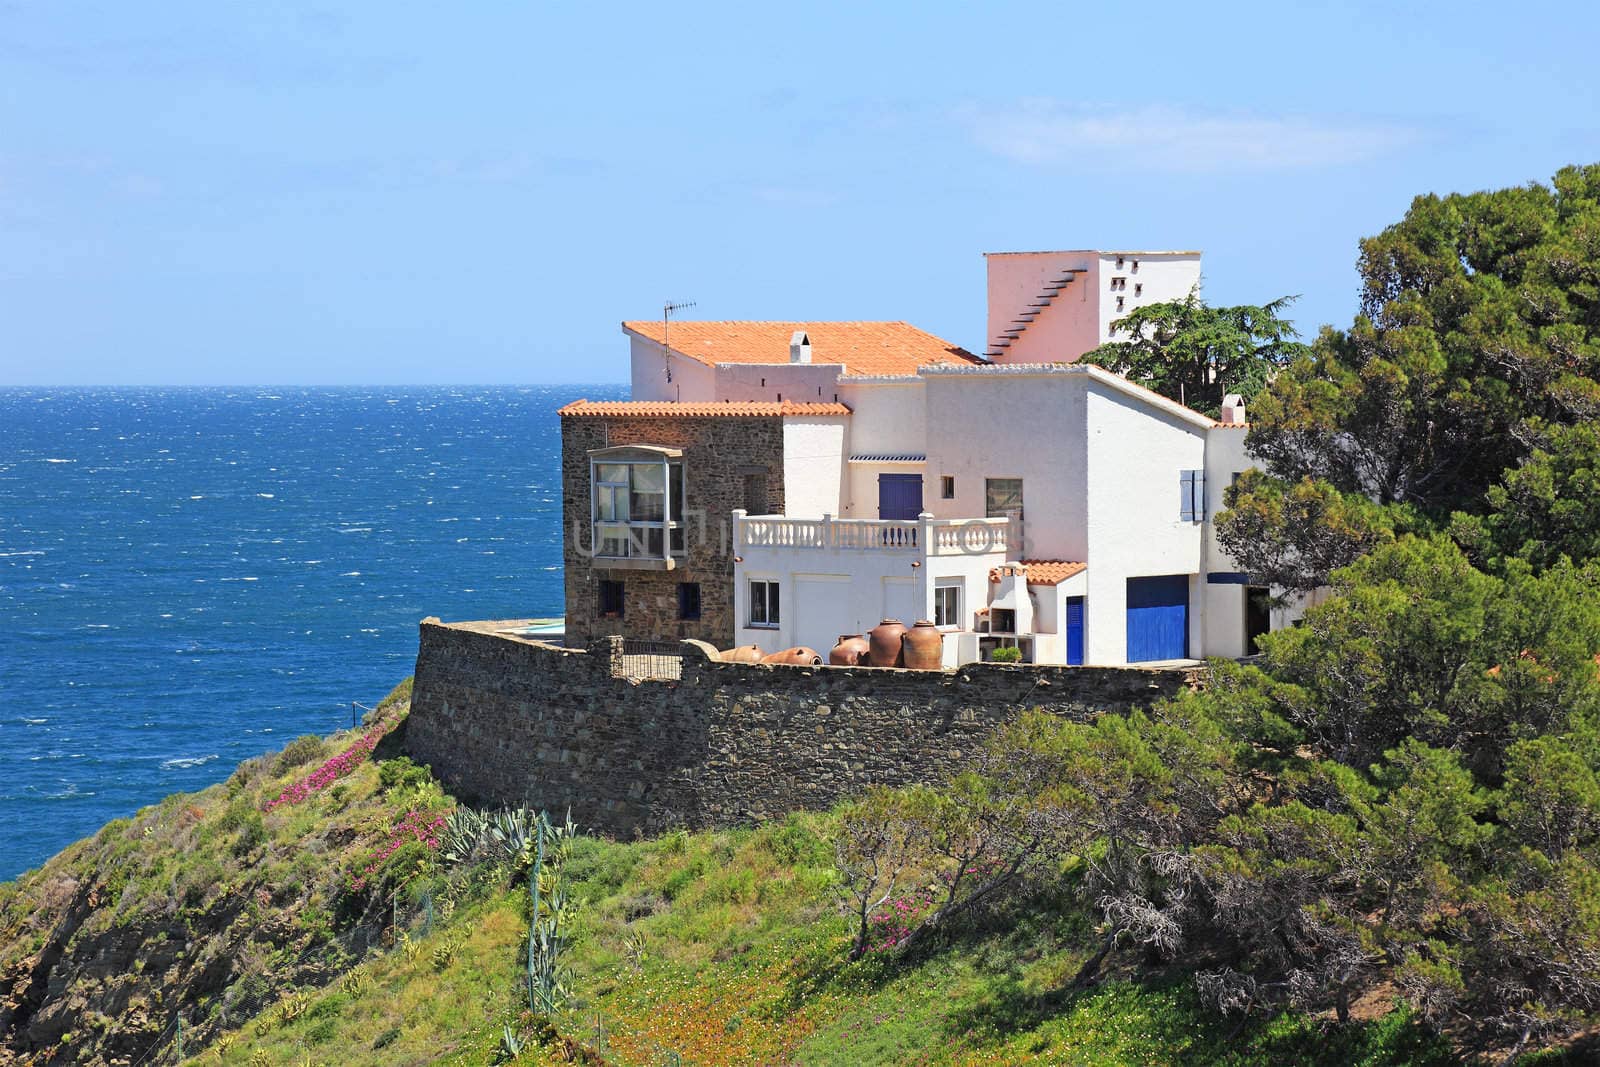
[(1199, 496), (899, 496), (1074, 631), (1186, 500)]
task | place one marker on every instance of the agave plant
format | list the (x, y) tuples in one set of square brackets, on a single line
[(510, 1045), (464, 836)]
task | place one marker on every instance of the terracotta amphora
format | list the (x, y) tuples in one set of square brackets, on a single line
[(885, 643), (799, 656), (743, 654), (851, 651), (923, 647)]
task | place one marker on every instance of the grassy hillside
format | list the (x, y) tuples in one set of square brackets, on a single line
[(728, 948), (300, 913), (206, 905)]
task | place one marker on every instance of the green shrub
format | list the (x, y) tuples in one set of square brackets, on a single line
[(299, 752), (1006, 655), (401, 773), (796, 845), (682, 878), (322, 1031)]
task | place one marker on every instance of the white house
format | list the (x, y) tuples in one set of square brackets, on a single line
[(1024, 500), (1055, 507)]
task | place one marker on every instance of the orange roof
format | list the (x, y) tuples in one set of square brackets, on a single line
[(664, 409), (1045, 571), (863, 347)]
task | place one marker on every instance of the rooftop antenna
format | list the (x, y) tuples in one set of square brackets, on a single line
[(667, 311)]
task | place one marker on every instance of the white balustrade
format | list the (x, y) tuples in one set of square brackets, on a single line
[(935, 537)]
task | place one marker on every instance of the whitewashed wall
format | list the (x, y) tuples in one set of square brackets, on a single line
[(813, 464), (1066, 329), (1079, 318), (1012, 425), (824, 593), (888, 416), (803, 383), (692, 381), (1151, 277), (1224, 604), (1136, 454)]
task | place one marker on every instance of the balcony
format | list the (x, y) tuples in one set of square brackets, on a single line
[(924, 536)]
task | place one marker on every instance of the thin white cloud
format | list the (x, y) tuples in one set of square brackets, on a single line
[(1054, 133)]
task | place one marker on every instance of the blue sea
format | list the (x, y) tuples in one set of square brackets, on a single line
[(189, 577)]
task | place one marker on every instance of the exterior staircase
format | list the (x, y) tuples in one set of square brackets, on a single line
[(1045, 297)]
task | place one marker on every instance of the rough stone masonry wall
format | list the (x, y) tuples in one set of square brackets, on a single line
[(717, 454), (507, 721)]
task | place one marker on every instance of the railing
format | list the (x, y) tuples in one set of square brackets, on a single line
[(640, 660), (934, 537)]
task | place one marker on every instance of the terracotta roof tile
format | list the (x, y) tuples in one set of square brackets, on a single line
[(1231, 426), (1046, 571), (667, 409), (863, 347)]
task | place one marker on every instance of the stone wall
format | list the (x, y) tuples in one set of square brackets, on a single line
[(718, 452), (504, 721)]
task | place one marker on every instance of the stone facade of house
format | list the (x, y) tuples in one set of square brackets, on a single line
[(729, 462)]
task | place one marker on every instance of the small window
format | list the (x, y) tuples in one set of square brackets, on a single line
[(1192, 496), (1138, 288), (755, 493), (689, 601), (1119, 303), (763, 603), (1119, 262), (947, 487), (610, 599), (1136, 266), (1001, 496), (947, 605)]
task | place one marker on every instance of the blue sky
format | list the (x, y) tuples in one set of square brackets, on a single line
[(210, 192)]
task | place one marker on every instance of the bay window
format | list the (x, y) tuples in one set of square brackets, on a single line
[(637, 502)]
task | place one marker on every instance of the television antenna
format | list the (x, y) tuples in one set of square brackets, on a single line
[(667, 311)]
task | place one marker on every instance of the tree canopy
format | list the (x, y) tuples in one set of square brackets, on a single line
[(1196, 354), (1478, 338)]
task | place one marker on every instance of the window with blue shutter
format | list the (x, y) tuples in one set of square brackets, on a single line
[(1192, 496)]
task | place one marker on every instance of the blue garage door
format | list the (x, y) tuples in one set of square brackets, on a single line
[(899, 496), (1158, 618)]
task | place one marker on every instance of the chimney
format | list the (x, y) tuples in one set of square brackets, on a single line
[(799, 348), (1233, 409)]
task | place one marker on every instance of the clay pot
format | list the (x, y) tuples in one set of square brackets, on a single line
[(799, 656), (885, 643), (743, 654), (851, 651), (923, 647)]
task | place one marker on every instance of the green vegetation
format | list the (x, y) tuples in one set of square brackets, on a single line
[(209, 905), (1476, 354), (747, 962), (1196, 354)]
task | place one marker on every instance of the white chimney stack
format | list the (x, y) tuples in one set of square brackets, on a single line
[(1233, 409), (799, 348)]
